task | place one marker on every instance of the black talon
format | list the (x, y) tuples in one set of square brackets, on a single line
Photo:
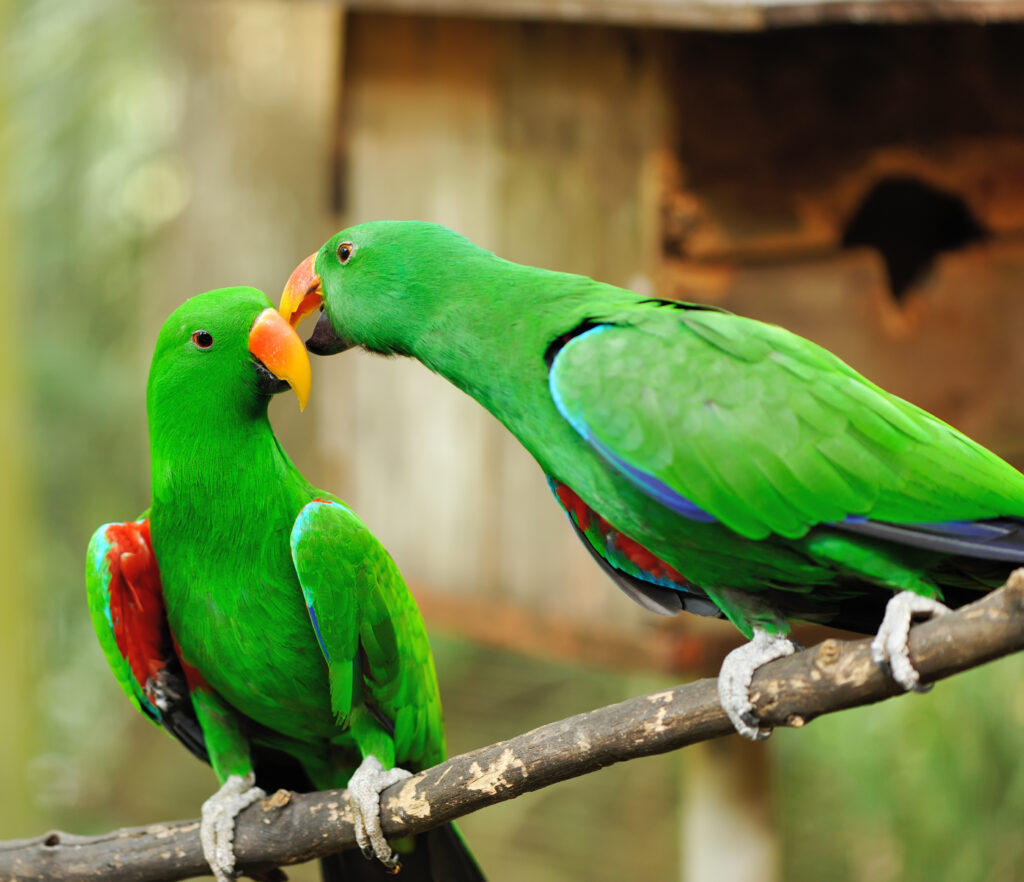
[(751, 719)]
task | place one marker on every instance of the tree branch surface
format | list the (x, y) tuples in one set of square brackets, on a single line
[(290, 828)]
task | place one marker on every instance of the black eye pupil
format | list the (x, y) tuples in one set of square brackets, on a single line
[(344, 251), (203, 339)]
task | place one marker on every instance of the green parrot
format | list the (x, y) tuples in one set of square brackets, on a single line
[(256, 617), (709, 462)]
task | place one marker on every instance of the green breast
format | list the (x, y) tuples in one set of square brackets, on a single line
[(236, 609)]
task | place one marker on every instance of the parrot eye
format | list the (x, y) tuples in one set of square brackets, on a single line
[(202, 339), (345, 251)]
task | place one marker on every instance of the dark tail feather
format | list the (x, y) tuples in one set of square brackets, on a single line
[(439, 855), (450, 857), (332, 868), (996, 539), (351, 866)]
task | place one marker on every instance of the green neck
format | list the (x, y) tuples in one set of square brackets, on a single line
[(207, 464), (490, 335)]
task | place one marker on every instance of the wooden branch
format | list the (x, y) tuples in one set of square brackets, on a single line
[(288, 828)]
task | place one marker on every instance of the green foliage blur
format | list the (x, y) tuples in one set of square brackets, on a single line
[(925, 787), (96, 176), (85, 123)]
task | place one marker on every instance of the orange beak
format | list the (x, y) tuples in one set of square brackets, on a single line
[(302, 294), (278, 347)]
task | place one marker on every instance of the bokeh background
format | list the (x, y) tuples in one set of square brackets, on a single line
[(861, 183)]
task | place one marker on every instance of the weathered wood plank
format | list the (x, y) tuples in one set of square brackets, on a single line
[(700, 166), (738, 15), (442, 121)]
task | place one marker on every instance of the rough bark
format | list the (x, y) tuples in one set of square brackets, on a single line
[(288, 828)]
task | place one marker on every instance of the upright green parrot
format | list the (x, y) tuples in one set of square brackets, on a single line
[(255, 617), (708, 462)]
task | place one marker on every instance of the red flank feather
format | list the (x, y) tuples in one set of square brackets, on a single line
[(136, 599), (587, 519)]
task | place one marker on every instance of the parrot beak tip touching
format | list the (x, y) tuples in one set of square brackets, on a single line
[(302, 296), (277, 346)]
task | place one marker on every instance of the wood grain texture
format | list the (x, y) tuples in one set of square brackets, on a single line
[(752, 15), (536, 142), (286, 829), (706, 166)]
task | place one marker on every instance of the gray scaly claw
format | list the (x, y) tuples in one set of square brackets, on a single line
[(737, 673), (217, 827), (889, 648), (364, 788)]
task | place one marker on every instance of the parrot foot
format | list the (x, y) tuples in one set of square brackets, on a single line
[(889, 648), (217, 827), (737, 673), (364, 788)]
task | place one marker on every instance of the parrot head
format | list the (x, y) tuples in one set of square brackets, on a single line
[(380, 285), (226, 350)]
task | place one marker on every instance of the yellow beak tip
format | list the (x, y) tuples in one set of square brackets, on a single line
[(281, 351)]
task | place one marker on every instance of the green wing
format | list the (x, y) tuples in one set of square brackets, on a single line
[(763, 430), (371, 635)]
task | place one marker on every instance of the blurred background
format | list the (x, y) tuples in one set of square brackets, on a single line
[(852, 170)]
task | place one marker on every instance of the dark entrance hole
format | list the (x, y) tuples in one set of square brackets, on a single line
[(909, 222)]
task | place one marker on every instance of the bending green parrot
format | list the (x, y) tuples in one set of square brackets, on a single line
[(709, 462), (255, 617)]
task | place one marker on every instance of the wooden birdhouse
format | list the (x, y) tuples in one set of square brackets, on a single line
[(851, 171), (854, 172)]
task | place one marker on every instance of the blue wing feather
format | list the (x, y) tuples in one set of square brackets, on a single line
[(996, 539)]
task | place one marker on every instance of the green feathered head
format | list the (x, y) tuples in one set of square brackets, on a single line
[(225, 351), (383, 285)]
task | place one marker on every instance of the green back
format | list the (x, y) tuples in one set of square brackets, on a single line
[(768, 432)]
